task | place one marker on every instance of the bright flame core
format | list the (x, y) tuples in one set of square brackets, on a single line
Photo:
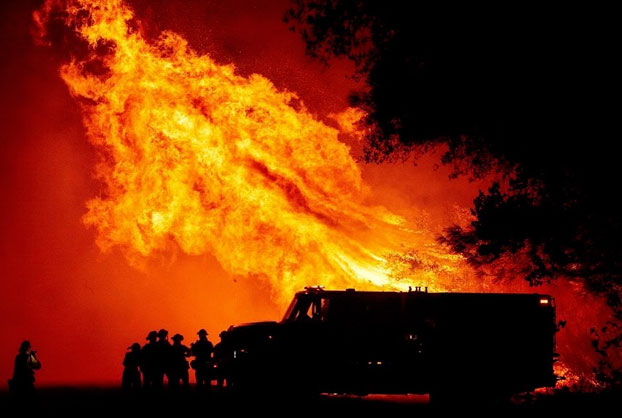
[(198, 158)]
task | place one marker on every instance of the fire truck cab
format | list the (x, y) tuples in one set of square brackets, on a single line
[(398, 342)]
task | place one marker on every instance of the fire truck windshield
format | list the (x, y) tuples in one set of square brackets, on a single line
[(307, 308), (290, 310)]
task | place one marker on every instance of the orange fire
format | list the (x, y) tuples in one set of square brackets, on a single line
[(198, 158)]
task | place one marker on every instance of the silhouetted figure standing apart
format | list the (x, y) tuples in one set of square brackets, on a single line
[(131, 362), (202, 363), (163, 357), (148, 362), (26, 362), (220, 360), (179, 365)]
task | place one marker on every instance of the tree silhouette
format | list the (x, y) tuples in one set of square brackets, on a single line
[(530, 92)]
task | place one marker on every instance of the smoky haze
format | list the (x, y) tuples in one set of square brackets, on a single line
[(81, 309)]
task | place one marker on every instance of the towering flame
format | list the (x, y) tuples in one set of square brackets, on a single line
[(197, 158)]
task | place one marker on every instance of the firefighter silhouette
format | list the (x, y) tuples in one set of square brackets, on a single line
[(131, 374), (163, 358), (179, 365), (202, 363), (221, 362), (26, 362), (148, 362)]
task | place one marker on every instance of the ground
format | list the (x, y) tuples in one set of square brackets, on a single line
[(70, 402)]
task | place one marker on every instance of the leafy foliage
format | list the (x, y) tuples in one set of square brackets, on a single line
[(530, 92), (510, 90)]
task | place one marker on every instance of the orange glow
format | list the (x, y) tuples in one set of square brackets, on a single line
[(203, 160), (348, 122), (202, 166)]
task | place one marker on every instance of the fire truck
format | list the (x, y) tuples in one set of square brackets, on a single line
[(416, 342)]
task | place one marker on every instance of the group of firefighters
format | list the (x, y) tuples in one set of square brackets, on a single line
[(159, 358)]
